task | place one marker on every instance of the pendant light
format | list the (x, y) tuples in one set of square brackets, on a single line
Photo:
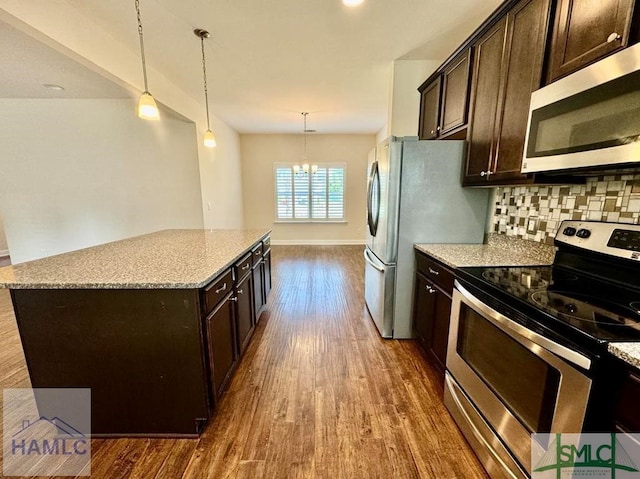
[(147, 108), (305, 163), (209, 138)]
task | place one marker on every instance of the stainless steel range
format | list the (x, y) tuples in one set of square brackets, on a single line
[(528, 345)]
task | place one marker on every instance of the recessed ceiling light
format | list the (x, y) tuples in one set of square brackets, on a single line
[(352, 3), (52, 86)]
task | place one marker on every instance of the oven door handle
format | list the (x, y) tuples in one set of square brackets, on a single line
[(505, 323)]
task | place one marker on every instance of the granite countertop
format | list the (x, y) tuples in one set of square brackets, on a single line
[(500, 250), (628, 352), (170, 259)]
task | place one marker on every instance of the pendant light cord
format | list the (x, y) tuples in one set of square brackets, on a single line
[(304, 114), (144, 61), (204, 74)]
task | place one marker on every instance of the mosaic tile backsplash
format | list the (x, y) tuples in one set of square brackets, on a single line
[(535, 212)]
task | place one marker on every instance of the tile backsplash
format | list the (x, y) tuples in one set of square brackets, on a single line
[(534, 212)]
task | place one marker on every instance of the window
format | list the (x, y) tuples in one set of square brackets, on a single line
[(310, 196)]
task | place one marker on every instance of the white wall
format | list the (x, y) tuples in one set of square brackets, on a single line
[(65, 28), (76, 173), (404, 99), (4, 248), (260, 152)]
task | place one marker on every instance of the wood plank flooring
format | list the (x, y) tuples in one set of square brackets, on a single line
[(318, 394)]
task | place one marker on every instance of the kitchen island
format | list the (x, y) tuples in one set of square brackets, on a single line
[(154, 325)]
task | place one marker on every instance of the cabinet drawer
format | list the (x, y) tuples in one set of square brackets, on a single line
[(242, 267), (436, 272), (256, 254), (266, 244), (215, 291)]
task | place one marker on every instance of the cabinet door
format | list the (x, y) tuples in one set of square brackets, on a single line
[(485, 91), (244, 293), (431, 312), (585, 31), (430, 111), (440, 336), (222, 344), (423, 308), (527, 26), (455, 91), (267, 275), (258, 286)]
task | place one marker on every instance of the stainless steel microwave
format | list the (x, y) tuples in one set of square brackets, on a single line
[(587, 120)]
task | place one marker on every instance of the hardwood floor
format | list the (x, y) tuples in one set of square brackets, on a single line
[(318, 394)]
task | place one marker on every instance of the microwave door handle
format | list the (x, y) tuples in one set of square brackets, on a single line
[(368, 259), (505, 323)]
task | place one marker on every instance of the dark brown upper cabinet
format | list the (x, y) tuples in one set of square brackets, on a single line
[(430, 111), (445, 99), (455, 93), (507, 67), (585, 31)]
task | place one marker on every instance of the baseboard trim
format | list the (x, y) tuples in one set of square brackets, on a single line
[(304, 242), (4, 252)]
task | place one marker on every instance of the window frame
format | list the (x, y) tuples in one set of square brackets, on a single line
[(310, 219)]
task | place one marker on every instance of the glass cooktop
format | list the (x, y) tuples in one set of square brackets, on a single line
[(565, 300)]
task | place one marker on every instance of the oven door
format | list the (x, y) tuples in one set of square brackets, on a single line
[(517, 381)]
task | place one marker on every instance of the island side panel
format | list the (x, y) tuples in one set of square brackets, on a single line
[(140, 351)]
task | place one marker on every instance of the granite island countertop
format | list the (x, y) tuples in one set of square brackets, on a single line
[(499, 250), (169, 259)]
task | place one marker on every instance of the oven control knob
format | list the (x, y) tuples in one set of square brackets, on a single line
[(583, 233), (569, 231)]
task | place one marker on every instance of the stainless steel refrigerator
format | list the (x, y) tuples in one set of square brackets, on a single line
[(414, 195)]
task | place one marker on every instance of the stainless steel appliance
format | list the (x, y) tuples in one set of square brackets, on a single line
[(528, 345), (589, 119), (414, 196)]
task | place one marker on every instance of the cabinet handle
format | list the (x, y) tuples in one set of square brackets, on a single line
[(486, 173), (614, 37), (240, 291), (433, 271), (233, 298), (246, 266), (433, 132), (221, 288), (257, 253), (430, 289), (438, 128)]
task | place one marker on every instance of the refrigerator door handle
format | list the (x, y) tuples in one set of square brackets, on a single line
[(368, 259), (374, 179)]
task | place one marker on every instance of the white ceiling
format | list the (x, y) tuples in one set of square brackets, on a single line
[(267, 60)]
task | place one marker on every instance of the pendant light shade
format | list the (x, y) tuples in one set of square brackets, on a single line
[(147, 108), (209, 138)]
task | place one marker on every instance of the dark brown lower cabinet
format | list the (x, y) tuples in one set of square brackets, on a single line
[(267, 274), (433, 287), (258, 289), (221, 337), (627, 416), (432, 308), (246, 322)]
